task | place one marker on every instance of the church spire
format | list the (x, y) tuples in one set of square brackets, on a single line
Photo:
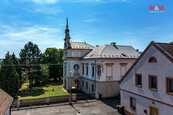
[(66, 23), (67, 36)]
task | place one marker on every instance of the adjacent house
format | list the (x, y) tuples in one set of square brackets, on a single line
[(147, 87), (95, 69), (5, 103)]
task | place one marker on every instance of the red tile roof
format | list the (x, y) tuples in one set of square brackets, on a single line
[(5, 102), (168, 47)]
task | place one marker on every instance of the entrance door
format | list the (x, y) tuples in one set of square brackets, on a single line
[(154, 111), (77, 84)]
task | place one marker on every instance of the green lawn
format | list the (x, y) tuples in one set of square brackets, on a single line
[(24, 86), (53, 89)]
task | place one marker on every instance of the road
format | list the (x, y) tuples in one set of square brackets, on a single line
[(101, 107)]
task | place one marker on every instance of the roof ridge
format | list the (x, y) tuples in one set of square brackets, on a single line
[(161, 43), (103, 49)]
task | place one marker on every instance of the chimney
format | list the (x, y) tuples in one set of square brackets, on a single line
[(97, 45), (113, 43), (137, 50)]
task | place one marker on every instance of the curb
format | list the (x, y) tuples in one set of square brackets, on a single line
[(52, 105)]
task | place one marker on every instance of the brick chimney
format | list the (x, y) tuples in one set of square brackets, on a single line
[(113, 44)]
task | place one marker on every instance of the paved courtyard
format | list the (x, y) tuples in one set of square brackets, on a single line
[(101, 107)]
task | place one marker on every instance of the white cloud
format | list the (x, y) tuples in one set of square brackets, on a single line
[(87, 0), (12, 39), (93, 20), (126, 1), (45, 1), (40, 1), (46, 10)]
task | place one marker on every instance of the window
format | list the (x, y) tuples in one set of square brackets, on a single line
[(86, 85), (87, 70), (133, 103), (92, 70), (65, 70), (152, 60), (82, 83), (92, 88), (169, 86), (82, 69), (99, 70), (109, 71), (138, 78), (153, 82)]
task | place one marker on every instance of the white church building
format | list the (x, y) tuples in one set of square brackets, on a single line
[(95, 69)]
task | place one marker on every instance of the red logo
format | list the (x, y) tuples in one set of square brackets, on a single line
[(156, 8)]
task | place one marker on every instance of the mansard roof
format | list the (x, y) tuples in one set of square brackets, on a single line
[(5, 102), (113, 51), (81, 45), (165, 48)]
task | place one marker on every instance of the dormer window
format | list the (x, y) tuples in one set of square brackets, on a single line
[(152, 60), (123, 54)]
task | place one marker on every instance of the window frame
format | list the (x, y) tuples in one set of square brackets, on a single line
[(152, 61), (149, 84), (166, 80), (137, 80), (131, 103)]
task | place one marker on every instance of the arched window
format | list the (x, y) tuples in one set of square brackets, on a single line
[(152, 60)]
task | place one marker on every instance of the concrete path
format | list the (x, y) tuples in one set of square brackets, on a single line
[(101, 107)]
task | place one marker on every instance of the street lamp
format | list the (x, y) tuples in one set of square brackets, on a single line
[(70, 96)]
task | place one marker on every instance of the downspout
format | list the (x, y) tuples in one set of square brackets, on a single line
[(95, 75)]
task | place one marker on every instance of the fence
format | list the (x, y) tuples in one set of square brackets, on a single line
[(40, 101), (54, 99)]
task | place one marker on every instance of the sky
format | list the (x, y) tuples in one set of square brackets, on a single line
[(97, 22)]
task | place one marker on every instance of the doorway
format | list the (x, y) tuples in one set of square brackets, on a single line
[(154, 111), (77, 84)]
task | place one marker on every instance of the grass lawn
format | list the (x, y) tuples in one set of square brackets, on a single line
[(52, 89), (24, 86)]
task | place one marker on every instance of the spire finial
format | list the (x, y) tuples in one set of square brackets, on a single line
[(66, 23)]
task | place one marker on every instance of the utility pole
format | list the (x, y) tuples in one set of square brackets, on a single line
[(70, 96)]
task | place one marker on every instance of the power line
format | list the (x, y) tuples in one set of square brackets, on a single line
[(31, 64)]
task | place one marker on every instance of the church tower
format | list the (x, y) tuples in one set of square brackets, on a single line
[(67, 36)]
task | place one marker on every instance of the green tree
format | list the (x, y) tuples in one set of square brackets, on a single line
[(53, 57), (18, 68), (30, 55), (9, 78), (60, 64)]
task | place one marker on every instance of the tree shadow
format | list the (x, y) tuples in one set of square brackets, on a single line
[(32, 93)]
